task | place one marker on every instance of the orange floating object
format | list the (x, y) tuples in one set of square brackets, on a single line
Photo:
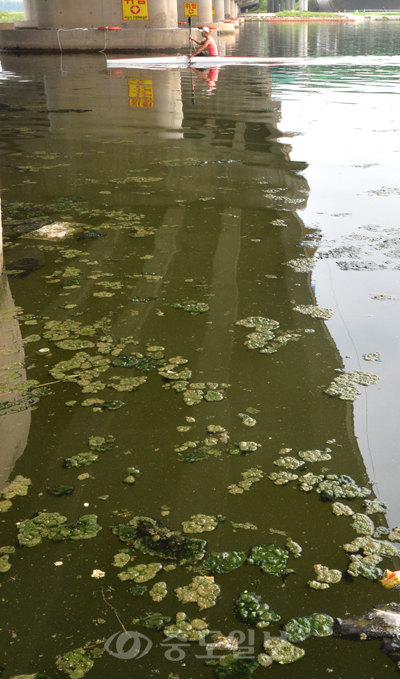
[(391, 580)]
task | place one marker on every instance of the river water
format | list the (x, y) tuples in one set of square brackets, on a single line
[(198, 187)]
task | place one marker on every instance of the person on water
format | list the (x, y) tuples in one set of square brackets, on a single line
[(208, 44)]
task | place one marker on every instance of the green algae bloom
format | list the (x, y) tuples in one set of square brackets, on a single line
[(366, 566), (317, 625), (159, 591), (362, 524), (191, 630), (233, 667), (250, 609), (201, 523), (18, 487), (60, 490), (121, 559), (282, 651), (222, 562), (81, 460), (76, 663), (142, 572), (270, 558), (155, 621), (202, 591), (152, 537)]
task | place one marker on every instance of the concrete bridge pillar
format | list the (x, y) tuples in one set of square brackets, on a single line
[(227, 4), (303, 5), (95, 13), (204, 10), (219, 10), (1, 243)]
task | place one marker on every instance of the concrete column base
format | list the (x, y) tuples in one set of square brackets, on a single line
[(226, 27), (7, 26), (92, 40)]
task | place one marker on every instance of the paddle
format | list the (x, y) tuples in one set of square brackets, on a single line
[(190, 53)]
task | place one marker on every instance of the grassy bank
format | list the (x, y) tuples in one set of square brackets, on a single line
[(11, 16)]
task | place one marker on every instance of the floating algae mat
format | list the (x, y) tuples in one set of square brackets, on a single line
[(155, 355)]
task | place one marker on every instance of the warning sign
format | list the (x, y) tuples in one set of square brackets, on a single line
[(213, 9), (190, 9), (141, 92), (135, 9)]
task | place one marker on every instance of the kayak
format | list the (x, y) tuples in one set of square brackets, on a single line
[(182, 61), (199, 62)]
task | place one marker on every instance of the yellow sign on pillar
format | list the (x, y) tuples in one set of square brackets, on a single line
[(190, 9), (213, 9), (135, 9), (141, 92)]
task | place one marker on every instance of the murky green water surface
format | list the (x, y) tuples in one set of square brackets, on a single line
[(187, 189)]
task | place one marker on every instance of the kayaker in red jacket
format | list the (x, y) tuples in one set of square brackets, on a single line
[(208, 44)]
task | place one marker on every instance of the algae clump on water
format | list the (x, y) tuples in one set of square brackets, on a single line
[(251, 610), (202, 591), (152, 537), (270, 558), (222, 562)]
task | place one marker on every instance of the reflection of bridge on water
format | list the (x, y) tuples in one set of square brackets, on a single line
[(245, 144)]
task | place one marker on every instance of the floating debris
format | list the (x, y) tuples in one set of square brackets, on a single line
[(152, 537), (159, 591), (314, 311), (260, 323), (316, 625), (201, 523), (222, 562), (270, 558), (282, 651), (345, 386), (98, 574), (250, 609), (202, 591), (391, 579), (142, 572), (138, 590), (191, 630)]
